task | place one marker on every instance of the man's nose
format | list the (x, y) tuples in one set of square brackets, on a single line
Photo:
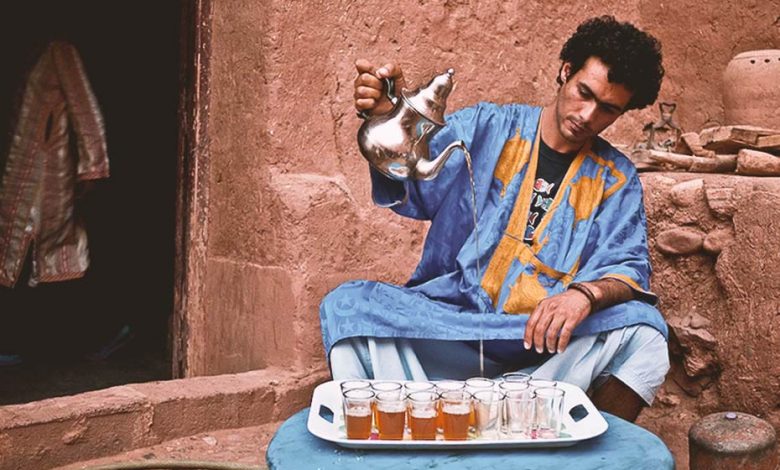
[(589, 112)]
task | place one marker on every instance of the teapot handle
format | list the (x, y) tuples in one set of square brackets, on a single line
[(388, 87)]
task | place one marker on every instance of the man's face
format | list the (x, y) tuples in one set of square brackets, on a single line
[(587, 102)]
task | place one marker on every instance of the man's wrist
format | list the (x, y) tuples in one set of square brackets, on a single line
[(587, 292)]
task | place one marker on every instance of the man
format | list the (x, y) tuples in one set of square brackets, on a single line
[(560, 283)]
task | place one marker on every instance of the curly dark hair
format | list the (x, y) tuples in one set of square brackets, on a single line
[(633, 56)]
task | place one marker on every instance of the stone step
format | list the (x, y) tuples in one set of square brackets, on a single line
[(59, 431), (245, 446)]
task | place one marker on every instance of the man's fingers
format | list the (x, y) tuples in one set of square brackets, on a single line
[(364, 92), (364, 66), (393, 71), (369, 80), (565, 337), (389, 70), (540, 329), (552, 332), (365, 104), (528, 337)]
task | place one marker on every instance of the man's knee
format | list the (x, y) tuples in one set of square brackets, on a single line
[(643, 361), (650, 343)]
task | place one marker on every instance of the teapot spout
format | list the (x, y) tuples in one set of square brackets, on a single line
[(429, 169)]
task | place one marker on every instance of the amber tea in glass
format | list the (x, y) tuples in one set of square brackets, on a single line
[(357, 413), (455, 412), (422, 407), (390, 416)]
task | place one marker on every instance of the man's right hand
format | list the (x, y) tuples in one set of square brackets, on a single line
[(369, 93)]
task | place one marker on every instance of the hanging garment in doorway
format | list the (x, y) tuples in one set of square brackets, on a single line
[(58, 142)]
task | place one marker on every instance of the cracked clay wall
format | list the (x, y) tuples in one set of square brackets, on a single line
[(289, 214)]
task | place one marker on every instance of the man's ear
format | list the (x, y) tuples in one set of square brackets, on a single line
[(564, 72)]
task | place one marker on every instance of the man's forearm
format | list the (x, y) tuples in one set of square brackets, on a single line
[(607, 292)]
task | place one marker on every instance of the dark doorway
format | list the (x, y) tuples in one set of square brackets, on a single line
[(112, 326)]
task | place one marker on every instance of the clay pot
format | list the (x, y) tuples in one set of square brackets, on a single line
[(751, 89)]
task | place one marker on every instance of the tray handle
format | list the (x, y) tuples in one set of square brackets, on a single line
[(582, 425), (325, 413)]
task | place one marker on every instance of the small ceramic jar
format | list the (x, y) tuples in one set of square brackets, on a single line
[(751, 89)]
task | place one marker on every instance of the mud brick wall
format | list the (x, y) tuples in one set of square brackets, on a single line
[(716, 260), (289, 214)]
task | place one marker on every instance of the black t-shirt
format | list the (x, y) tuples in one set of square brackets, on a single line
[(550, 171)]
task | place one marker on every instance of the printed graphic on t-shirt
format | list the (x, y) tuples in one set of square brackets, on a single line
[(542, 199)]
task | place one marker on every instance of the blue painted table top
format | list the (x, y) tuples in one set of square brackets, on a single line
[(623, 446)]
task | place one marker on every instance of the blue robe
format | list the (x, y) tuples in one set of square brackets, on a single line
[(595, 229)]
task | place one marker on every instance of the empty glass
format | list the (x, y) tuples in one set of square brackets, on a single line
[(541, 383), (519, 414), (476, 384), (515, 377), (548, 412), (507, 387), (488, 409)]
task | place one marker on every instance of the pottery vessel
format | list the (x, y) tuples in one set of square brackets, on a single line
[(751, 89)]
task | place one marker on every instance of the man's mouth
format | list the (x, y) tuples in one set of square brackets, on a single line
[(577, 128)]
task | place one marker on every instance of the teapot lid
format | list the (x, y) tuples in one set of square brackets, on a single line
[(431, 100)]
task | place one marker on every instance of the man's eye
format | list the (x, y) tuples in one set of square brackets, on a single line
[(609, 109)]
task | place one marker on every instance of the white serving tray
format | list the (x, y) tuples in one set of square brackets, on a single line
[(326, 421)]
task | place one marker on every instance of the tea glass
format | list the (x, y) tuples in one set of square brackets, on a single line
[(353, 384), (385, 386), (519, 414), (488, 409), (515, 377), (548, 412), (390, 415), (357, 412), (421, 410), (411, 387), (455, 411), (446, 386), (541, 383)]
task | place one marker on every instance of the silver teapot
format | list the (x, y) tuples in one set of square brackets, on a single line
[(396, 143)]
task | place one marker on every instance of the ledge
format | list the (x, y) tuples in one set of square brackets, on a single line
[(91, 425)]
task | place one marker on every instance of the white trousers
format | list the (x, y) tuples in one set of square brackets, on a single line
[(636, 355)]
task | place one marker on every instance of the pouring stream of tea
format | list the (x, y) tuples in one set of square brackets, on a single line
[(476, 243)]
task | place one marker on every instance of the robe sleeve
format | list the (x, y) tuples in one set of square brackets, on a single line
[(617, 242), (83, 112), (422, 199)]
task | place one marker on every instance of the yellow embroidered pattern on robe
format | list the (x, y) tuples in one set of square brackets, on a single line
[(513, 156), (622, 277), (619, 176), (586, 194), (508, 245), (525, 294), (528, 289)]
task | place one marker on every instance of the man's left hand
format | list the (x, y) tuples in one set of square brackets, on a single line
[(554, 319)]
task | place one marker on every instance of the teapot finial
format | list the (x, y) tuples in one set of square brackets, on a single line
[(431, 100)]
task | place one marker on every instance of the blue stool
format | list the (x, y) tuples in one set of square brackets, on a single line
[(623, 446)]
